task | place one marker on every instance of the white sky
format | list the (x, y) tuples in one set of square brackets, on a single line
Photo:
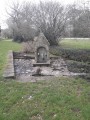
[(5, 3)]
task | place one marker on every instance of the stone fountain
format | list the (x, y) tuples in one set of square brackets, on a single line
[(40, 65)]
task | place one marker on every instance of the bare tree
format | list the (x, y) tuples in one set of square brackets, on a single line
[(20, 21), (79, 19), (49, 17)]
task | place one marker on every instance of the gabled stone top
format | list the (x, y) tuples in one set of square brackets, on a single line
[(41, 40)]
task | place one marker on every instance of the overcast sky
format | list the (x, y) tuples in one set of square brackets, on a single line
[(5, 3)]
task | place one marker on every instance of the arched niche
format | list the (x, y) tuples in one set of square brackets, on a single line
[(42, 54)]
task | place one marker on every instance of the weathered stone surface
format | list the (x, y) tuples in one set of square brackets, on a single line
[(40, 40), (25, 71), (41, 49), (46, 71), (36, 71), (42, 64), (9, 69), (25, 67)]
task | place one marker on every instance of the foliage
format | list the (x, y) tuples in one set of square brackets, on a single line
[(28, 47), (76, 52), (72, 54), (78, 67), (78, 22), (74, 49), (6, 33), (82, 25), (77, 49)]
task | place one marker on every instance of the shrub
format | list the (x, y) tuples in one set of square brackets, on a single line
[(71, 54), (78, 67), (28, 47)]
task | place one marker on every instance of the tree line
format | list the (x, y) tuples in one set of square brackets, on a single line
[(26, 20)]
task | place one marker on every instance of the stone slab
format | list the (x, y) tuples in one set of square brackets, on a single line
[(9, 68), (41, 64)]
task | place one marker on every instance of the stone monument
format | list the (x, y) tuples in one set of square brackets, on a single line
[(41, 50)]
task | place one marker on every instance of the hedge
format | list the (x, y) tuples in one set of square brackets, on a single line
[(71, 54)]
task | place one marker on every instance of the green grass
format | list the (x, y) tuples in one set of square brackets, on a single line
[(5, 46), (74, 43), (58, 99)]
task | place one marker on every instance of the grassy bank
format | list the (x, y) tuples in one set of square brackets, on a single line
[(5, 46)]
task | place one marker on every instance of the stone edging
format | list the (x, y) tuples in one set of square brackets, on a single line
[(9, 69)]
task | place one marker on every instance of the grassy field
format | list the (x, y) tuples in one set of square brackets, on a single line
[(5, 46), (75, 43), (58, 99)]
